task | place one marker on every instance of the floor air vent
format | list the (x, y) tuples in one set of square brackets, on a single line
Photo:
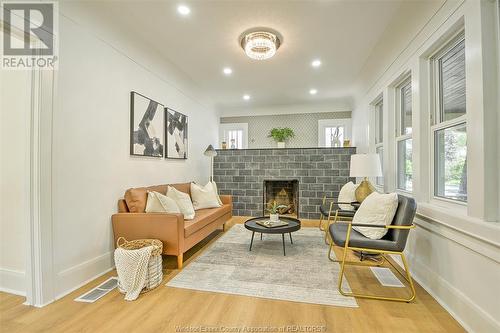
[(386, 277), (99, 291)]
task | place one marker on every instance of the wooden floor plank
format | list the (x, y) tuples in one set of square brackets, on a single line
[(165, 308)]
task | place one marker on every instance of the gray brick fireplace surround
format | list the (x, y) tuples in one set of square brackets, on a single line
[(320, 171)]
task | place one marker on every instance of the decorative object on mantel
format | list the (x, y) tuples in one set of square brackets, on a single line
[(210, 152), (146, 122), (273, 209), (347, 143), (281, 135), (224, 145), (176, 132), (365, 165)]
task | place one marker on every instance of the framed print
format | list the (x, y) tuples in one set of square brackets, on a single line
[(146, 126), (176, 133)]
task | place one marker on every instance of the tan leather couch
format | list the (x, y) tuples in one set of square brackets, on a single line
[(178, 235)]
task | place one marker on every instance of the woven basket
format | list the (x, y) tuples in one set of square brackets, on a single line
[(154, 275)]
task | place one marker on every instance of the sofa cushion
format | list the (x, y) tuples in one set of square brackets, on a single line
[(160, 203), (204, 196), (183, 201), (136, 198), (204, 217)]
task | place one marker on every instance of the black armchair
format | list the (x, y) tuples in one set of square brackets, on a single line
[(331, 213), (393, 242)]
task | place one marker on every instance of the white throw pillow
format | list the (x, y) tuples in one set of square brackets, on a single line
[(159, 203), (183, 201), (377, 209), (217, 192), (347, 194), (204, 197)]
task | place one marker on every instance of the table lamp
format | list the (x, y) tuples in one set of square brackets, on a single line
[(211, 152), (365, 165)]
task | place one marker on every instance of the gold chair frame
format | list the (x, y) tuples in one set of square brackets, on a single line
[(345, 262), (336, 218)]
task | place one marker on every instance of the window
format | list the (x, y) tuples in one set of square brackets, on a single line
[(380, 152), (233, 135), (404, 136), (449, 125), (334, 136), (333, 132), (235, 139), (379, 136)]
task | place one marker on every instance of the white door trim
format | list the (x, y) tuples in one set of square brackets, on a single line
[(40, 275)]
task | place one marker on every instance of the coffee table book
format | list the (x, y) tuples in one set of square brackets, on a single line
[(272, 224)]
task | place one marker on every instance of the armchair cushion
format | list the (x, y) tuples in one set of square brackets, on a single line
[(376, 209), (338, 232), (347, 194), (324, 209)]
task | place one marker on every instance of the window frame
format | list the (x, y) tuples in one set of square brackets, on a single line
[(399, 134), (435, 114), (378, 108)]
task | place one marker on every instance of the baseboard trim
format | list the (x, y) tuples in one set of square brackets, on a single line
[(13, 281), (79, 275), (467, 313)]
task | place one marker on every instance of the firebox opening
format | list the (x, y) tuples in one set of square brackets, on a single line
[(284, 192)]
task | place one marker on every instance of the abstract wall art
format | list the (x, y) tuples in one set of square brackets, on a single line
[(176, 133), (146, 126)]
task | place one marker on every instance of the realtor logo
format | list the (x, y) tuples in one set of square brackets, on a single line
[(29, 35)]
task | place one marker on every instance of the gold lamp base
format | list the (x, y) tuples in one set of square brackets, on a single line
[(364, 189)]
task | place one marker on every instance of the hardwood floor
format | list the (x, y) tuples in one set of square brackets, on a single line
[(165, 309)]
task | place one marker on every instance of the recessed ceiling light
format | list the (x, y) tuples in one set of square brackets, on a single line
[(316, 63), (313, 91), (227, 71), (183, 10), (246, 97)]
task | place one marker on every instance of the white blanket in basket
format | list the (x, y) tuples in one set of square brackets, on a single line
[(132, 268)]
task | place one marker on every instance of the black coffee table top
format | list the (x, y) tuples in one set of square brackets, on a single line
[(293, 225)]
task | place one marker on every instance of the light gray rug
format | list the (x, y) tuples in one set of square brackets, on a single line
[(304, 275)]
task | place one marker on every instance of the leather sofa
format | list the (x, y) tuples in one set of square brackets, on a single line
[(178, 235)]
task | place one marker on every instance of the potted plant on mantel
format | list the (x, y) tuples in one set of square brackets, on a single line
[(273, 211), (280, 135)]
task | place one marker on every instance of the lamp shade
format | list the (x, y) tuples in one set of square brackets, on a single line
[(365, 165), (210, 151)]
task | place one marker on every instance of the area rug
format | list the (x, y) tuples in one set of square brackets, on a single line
[(304, 275)]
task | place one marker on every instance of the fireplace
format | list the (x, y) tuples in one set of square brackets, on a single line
[(284, 192)]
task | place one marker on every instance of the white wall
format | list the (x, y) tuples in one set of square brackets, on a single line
[(454, 252), (14, 178), (92, 167), (304, 125)]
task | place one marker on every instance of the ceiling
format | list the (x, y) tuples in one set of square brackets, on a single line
[(340, 33)]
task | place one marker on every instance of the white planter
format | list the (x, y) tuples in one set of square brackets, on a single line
[(274, 217), (281, 145)]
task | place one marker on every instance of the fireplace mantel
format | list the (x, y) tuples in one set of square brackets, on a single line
[(319, 171)]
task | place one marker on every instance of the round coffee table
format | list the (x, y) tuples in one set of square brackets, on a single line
[(253, 226)]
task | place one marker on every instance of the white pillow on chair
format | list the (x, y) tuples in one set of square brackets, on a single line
[(183, 201), (376, 209), (347, 194), (204, 196), (160, 203)]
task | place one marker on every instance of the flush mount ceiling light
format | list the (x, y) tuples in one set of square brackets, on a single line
[(246, 97), (316, 63), (313, 91), (260, 44), (183, 10), (227, 71)]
